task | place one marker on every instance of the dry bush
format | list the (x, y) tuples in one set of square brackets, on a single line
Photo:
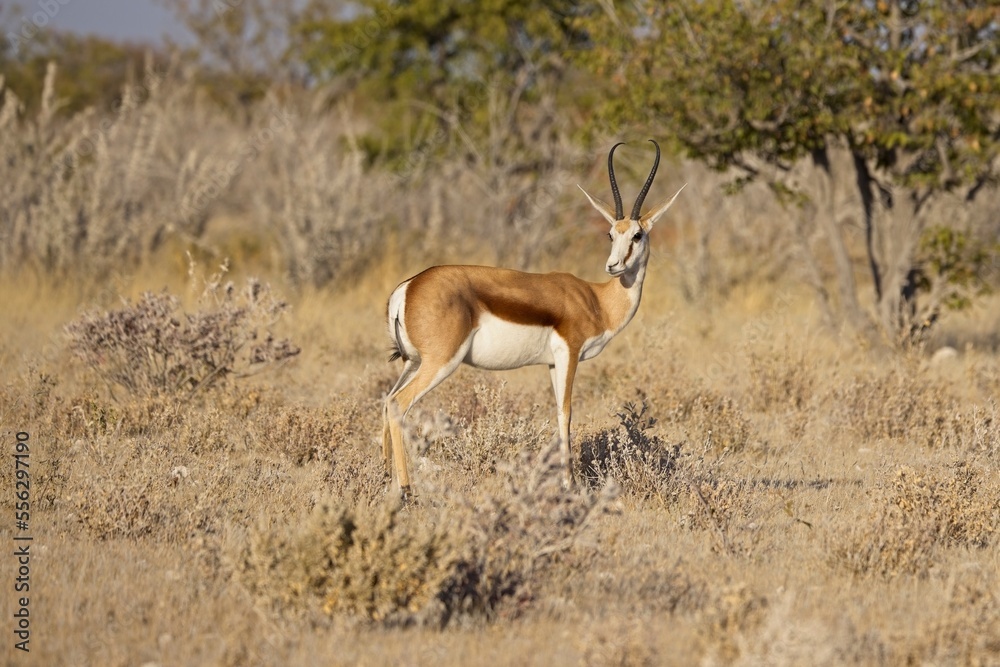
[(160, 495), (734, 611), (978, 431), (481, 429), (169, 484), (983, 374), (193, 426), (124, 510), (712, 421), (99, 193), (30, 402), (136, 491), (149, 348), (478, 556), (376, 563), (783, 632), (104, 193), (903, 404), (333, 210), (307, 434), (355, 470), (34, 396), (968, 626), (780, 383), (617, 643), (727, 509), (637, 460), (919, 513), (425, 429), (330, 214), (521, 531), (228, 422)]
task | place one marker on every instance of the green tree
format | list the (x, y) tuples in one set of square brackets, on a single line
[(481, 82), (437, 50), (908, 90), (433, 64), (95, 71), (241, 45)]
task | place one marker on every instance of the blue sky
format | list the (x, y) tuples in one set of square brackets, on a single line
[(133, 20)]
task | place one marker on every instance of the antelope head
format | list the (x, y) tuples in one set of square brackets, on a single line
[(629, 236)]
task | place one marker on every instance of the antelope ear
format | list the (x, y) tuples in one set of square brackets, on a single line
[(650, 218), (602, 208)]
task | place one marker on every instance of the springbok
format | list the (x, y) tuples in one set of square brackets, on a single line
[(499, 319)]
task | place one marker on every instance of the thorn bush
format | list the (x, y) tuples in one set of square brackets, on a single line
[(480, 556), (631, 455), (152, 347)]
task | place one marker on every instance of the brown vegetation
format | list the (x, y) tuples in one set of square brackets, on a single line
[(758, 489), (847, 516)]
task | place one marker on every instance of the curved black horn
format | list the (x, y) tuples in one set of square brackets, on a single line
[(649, 181), (619, 214)]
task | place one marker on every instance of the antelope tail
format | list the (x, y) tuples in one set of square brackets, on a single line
[(397, 345)]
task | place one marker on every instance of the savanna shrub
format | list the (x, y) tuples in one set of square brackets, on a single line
[(151, 347), (631, 455), (479, 556), (919, 513)]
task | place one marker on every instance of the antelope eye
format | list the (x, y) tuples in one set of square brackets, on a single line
[(637, 237), (610, 237)]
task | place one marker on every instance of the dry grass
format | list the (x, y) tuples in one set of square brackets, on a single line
[(766, 512), (918, 514), (755, 490)]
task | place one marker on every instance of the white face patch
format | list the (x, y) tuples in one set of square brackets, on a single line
[(627, 239)]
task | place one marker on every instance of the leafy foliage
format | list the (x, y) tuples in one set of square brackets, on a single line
[(96, 71), (780, 79), (437, 50), (908, 89), (434, 67), (957, 261)]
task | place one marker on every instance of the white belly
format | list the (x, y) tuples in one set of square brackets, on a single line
[(501, 345)]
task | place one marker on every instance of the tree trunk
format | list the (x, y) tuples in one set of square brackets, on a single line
[(695, 274), (900, 227), (847, 287), (893, 225)]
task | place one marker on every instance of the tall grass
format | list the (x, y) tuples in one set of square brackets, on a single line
[(288, 180)]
